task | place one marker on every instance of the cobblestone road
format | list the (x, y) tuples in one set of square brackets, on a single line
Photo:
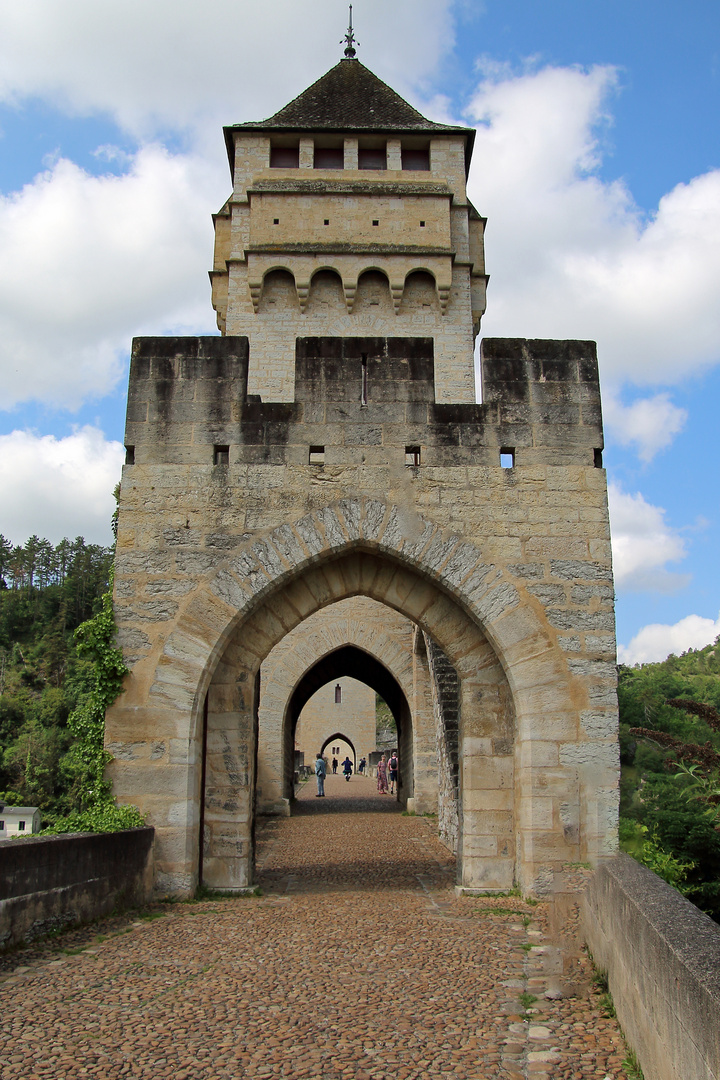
[(356, 963)]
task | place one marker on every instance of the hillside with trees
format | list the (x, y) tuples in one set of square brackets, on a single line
[(46, 592), (670, 756)]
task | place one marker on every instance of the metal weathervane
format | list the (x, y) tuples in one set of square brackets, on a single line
[(350, 40)]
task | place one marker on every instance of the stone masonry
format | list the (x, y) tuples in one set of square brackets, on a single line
[(314, 458)]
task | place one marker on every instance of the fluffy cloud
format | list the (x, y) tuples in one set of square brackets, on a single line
[(160, 65), (88, 261), (58, 487), (657, 641), (643, 543), (649, 423), (570, 255)]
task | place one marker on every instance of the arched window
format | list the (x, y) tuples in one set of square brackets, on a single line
[(338, 694)]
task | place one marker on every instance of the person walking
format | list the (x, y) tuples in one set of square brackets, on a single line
[(361, 766), (382, 784), (320, 772), (334, 765), (347, 768), (393, 772)]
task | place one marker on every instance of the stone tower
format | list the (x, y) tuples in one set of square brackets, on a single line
[(349, 216), (316, 494)]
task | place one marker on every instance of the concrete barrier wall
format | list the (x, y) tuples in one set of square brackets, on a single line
[(662, 956), (50, 882)]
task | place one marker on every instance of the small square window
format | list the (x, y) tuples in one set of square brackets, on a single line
[(317, 455), (129, 455), (276, 221), (412, 455), (507, 457), (376, 222), (221, 455), (327, 221)]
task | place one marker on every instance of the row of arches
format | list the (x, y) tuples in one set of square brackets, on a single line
[(372, 291)]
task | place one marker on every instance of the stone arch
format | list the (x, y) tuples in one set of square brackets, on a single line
[(379, 637), (278, 291), (326, 295), (373, 298), (520, 704), (420, 298), (344, 738), (363, 667)]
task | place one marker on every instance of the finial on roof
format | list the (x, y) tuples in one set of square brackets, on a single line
[(350, 40)]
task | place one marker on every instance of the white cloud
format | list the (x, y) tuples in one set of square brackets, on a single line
[(650, 423), (58, 487), (89, 261), (160, 65), (656, 641), (570, 255), (643, 543)]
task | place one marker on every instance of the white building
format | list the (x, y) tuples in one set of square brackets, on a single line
[(19, 821)]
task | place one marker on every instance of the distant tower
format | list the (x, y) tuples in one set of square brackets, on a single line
[(349, 216)]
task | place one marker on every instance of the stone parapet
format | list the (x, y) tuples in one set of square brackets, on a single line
[(662, 958)]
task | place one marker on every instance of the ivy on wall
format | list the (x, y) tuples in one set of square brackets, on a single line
[(98, 812)]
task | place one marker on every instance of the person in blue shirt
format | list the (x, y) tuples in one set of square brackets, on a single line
[(320, 772)]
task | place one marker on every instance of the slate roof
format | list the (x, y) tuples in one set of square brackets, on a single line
[(349, 97)]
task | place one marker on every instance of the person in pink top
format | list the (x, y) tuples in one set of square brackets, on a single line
[(382, 783)]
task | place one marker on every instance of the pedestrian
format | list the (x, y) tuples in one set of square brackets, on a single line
[(334, 765), (320, 774), (361, 766), (347, 768), (393, 771), (382, 784)]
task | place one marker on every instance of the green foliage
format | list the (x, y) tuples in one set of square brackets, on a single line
[(59, 671), (670, 789)]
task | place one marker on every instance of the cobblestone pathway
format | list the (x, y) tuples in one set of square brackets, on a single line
[(357, 963)]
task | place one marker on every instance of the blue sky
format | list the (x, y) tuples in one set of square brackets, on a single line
[(597, 163)]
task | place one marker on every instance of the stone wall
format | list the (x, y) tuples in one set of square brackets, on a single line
[(50, 882), (240, 519), (662, 956), (446, 710)]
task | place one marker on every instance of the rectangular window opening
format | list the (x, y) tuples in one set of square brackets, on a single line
[(422, 224), (412, 455), (327, 221), (276, 221), (316, 455), (2, 826), (597, 458), (416, 158), (364, 381), (507, 457), (221, 455), (329, 157), (338, 699), (21, 826), (372, 157), (376, 222), (285, 157), (129, 455)]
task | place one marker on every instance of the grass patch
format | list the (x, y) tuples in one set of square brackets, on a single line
[(501, 911), (631, 1065), (149, 916), (526, 946), (74, 952), (526, 999)]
